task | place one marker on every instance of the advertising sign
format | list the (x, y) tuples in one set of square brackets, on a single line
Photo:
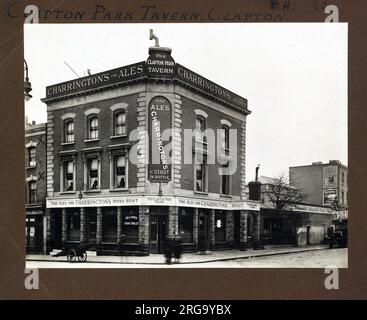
[(330, 176), (330, 197), (159, 118)]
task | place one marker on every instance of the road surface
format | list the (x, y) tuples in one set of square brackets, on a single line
[(311, 259)]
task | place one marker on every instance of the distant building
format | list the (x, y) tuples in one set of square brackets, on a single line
[(295, 223), (35, 177), (324, 184)]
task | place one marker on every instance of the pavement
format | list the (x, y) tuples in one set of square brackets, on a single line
[(188, 258)]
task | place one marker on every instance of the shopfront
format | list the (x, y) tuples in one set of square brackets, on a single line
[(122, 229)]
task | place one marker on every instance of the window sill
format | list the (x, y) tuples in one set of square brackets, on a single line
[(68, 192), (201, 192), (119, 136), (93, 191), (225, 195), (120, 190), (91, 140), (67, 143), (31, 167)]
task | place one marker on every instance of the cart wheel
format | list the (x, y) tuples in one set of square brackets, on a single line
[(82, 257), (71, 256)]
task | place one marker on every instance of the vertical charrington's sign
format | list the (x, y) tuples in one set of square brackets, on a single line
[(159, 117)]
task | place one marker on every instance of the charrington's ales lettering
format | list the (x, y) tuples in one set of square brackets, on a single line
[(100, 79)]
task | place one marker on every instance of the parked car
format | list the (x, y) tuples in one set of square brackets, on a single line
[(338, 234)]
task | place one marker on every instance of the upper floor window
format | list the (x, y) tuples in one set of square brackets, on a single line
[(120, 171), (93, 174), (68, 176), (120, 123), (32, 156), (69, 131), (200, 128), (225, 185), (93, 127), (200, 176), (32, 189), (225, 137), (343, 177)]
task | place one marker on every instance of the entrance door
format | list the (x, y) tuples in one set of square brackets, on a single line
[(203, 241), (158, 232)]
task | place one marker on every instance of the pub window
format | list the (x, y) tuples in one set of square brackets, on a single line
[(32, 156), (200, 128), (32, 189), (93, 173), (185, 223), (68, 176), (109, 225), (225, 137), (93, 127), (130, 225), (225, 185), (69, 131), (220, 226), (343, 177), (73, 225), (120, 123), (120, 171), (200, 176)]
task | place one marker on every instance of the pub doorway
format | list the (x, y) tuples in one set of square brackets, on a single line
[(203, 234), (158, 229)]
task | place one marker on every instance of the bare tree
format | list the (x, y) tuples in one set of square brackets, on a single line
[(281, 193)]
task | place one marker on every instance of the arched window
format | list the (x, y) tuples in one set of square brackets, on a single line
[(120, 123), (200, 128), (69, 131), (225, 137), (93, 127)]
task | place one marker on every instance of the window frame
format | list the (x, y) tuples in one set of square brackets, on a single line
[(33, 191), (117, 113), (229, 182), (32, 164), (89, 127), (114, 154), (64, 168), (204, 166), (67, 122)]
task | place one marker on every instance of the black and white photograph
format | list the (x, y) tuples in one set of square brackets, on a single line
[(199, 145)]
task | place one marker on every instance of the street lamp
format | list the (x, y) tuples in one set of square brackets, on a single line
[(27, 84)]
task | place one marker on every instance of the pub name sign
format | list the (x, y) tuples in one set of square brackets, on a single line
[(159, 65)]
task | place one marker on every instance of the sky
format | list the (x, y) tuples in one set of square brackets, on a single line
[(294, 76)]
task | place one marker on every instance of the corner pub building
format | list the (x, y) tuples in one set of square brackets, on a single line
[(101, 186)]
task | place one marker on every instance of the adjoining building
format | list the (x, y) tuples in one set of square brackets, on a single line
[(35, 187), (103, 183), (284, 217), (323, 184)]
